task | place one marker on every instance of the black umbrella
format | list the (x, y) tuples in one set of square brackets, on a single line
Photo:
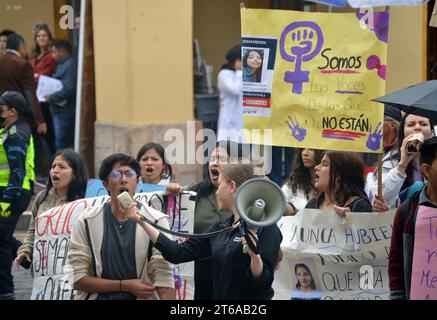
[(419, 99)]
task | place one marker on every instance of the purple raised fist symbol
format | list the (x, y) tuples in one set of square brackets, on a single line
[(297, 131), (304, 44), (374, 141)]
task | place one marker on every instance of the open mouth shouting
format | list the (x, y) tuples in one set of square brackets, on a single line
[(55, 179), (123, 189), (214, 174)]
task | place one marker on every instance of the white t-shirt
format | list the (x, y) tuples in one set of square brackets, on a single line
[(299, 200), (230, 123)]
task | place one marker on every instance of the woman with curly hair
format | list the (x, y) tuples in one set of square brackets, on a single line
[(300, 188)]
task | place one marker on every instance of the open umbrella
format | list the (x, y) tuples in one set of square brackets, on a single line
[(335, 3), (419, 99), (372, 3), (380, 3)]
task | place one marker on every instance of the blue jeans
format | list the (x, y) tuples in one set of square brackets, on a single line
[(63, 127)]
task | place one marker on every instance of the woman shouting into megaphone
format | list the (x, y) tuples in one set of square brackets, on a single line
[(236, 275)]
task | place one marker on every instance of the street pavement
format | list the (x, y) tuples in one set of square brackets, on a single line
[(22, 278)]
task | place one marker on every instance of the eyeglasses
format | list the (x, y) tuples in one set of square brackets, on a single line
[(117, 174)]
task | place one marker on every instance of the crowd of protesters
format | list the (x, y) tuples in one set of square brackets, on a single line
[(107, 248)]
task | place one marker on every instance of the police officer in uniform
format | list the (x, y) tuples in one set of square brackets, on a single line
[(16, 179)]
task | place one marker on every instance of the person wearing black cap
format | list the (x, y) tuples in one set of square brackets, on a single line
[(16, 178), (231, 97), (392, 118)]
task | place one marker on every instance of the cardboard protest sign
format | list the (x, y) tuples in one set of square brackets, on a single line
[(310, 78), (328, 257), (424, 275), (52, 238)]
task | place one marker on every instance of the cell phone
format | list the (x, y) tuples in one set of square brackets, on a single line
[(26, 264), (125, 199), (413, 147)]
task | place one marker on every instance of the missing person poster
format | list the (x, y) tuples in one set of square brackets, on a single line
[(311, 78)]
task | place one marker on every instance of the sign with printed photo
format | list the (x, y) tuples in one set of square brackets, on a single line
[(310, 77), (326, 257)]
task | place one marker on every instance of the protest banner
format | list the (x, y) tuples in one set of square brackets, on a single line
[(317, 77), (343, 258), (52, 238), (424, 274)]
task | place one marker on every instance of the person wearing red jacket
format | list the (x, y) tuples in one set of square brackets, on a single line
[(43, 63)]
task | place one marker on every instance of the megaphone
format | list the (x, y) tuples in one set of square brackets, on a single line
[(260, 202)]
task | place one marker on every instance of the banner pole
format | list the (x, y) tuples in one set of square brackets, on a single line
[(380, 174)]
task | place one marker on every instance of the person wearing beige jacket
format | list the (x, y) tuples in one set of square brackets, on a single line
[(67, 182), (109, 258)]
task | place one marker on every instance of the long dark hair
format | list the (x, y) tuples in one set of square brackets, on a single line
[(346, 177), (301, 178), (304, 266), (77, 187), (167, 172), (409, 171), (36, 50), (259, 70)]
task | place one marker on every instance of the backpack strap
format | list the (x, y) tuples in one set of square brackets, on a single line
[(39, 200)]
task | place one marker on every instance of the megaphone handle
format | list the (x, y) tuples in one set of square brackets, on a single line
[(250, 244), (245, 248)]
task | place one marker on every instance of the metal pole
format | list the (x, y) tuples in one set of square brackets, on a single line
[(79, 75)]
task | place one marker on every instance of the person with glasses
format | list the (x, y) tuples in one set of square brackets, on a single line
[(16, 179), (109, 257)]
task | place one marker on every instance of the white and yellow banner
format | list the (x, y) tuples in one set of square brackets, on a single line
[(52, 239), (310, 77), (327, 257)]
